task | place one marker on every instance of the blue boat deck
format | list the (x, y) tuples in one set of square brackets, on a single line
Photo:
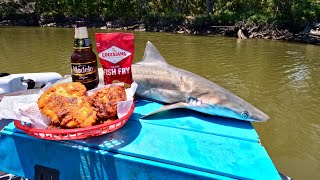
[(179, 144)]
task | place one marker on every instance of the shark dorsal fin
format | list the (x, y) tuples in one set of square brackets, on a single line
[(152, 56)]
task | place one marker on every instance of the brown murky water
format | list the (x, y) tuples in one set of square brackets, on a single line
[(282, 79)]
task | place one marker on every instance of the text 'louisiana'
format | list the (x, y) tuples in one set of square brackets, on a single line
[(113, 54)]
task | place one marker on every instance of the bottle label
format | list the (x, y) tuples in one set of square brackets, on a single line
[(82, 43), (84, 72)]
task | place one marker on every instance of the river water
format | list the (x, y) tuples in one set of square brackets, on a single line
[(282, 79)]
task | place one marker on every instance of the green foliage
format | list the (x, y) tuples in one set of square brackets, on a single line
[(166, 12), (226, 17), (200, 22), (259, 19)]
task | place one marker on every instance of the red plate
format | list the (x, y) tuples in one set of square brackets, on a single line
[(77, 133)]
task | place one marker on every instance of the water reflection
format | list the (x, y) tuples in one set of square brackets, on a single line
[(297, 71)]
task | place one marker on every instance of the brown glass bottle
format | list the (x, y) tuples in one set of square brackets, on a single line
[(84, 67)]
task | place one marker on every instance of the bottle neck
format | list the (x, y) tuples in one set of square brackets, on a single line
[(81, 33), (81, 38)]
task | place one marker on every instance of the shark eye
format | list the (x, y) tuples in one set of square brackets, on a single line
[(244, 115), (191, 100)]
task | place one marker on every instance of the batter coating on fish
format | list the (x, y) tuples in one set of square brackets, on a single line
[(67, 105), (106, 99)]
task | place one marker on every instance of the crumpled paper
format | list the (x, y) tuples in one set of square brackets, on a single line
[(25, 107)]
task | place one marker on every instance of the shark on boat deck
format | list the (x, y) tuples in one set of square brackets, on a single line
[(157, 80)]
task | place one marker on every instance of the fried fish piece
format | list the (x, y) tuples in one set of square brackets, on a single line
[(105, 101), (67, 105)]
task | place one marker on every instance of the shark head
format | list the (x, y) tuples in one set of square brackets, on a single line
[(229, 105)]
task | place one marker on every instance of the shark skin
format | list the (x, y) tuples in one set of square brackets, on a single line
[(177, 88)]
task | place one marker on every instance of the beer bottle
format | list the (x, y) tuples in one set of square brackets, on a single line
[(84, 67)]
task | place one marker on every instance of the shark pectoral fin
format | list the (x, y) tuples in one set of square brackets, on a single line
[(167, 107)]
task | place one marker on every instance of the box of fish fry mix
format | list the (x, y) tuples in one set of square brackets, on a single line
[(115, 51)]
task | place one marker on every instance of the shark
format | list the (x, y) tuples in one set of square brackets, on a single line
[(177, 88)]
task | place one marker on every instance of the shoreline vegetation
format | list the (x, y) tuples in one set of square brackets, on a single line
[(290, 20)]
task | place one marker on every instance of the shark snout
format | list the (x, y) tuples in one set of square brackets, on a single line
[(259, 116)]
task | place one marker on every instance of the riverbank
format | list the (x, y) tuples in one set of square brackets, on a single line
[(310, 35)]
